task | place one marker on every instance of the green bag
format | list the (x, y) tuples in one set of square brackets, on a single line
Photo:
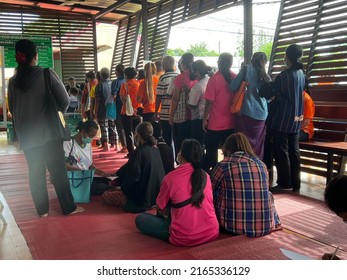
[(80, 183)]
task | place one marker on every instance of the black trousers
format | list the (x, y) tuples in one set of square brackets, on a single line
[(129, 125), (287, 159), (50, 156), (166, 128), (214, 140), (197, 132), (181, 131)]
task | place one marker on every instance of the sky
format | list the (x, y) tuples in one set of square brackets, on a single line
[(222, 30)]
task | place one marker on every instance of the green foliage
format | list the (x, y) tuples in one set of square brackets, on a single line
[(175, 52), (198, 49), (201, 49), (262, 42), (266, 48)]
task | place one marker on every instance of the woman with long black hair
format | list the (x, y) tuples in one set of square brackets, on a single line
[(218, 122), (251, 119), (187, 191), (27, 103)]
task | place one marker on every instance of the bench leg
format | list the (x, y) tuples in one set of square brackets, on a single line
[(330, 162), (342, 169)]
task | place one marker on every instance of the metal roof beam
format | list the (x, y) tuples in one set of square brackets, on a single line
[(111, 8)]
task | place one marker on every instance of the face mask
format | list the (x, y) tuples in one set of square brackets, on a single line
[(87, 140)]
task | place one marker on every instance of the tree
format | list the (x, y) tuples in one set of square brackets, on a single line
[(262, 42), (201, 49), (198, 49), (175, 52)]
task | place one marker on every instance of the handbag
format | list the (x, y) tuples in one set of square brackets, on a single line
[(111, 111), (239, 95), (55, 118), (129, 110), (80, 184)]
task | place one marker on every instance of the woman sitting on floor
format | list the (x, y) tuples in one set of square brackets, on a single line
[(191, 219), (140, 178), (243, 202), (78, 153)]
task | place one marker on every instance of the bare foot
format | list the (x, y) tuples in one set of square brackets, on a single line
[(79, 209)]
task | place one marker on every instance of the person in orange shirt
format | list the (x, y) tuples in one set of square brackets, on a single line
[(147, 92), (129, 87), (307, 128)]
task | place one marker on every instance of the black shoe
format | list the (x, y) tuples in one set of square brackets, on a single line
[(277, 189), (297, 190)]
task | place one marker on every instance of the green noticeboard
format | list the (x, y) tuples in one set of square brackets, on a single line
[(44, 46)]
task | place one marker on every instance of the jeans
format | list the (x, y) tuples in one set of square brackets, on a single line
[(214, 139), (154, 226), (287, 159), (50, 155)]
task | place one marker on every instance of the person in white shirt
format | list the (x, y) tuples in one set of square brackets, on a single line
[(79, 156)]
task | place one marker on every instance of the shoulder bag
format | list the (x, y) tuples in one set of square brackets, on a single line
[(129, 110), (55, 118), (239, 95)]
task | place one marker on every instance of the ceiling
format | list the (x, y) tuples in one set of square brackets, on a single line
[(102, 10)]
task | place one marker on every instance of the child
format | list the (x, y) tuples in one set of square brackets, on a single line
[(74, 103)]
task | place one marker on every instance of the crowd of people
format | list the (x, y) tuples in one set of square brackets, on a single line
[(171, 123)]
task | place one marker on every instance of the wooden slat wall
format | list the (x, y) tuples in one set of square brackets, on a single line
[(70, 32), (321, 28), (125, 45), (160, 19)]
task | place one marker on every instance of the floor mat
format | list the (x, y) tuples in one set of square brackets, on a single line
[(311, 218), (103, 232)]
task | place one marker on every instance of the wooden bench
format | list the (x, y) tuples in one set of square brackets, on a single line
[(325, 155)]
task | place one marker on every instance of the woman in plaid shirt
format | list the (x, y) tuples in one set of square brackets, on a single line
[(243, 202)]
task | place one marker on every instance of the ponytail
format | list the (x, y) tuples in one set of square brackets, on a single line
[(225, 61), (198, 181), (150, 70), (192, 152)]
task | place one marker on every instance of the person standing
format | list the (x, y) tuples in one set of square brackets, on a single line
[(218, 122), (115, 88), (103, 96), (251, 119), (129, 87), (196, 101), (179, 111), (147, 92), (289, 86), (28, 106), (163, 98)]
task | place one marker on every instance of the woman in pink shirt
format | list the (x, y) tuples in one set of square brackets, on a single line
[(218, 122), (191, 219)]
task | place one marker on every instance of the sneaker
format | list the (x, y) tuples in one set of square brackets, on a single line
[(44, 215), (79, 209)]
